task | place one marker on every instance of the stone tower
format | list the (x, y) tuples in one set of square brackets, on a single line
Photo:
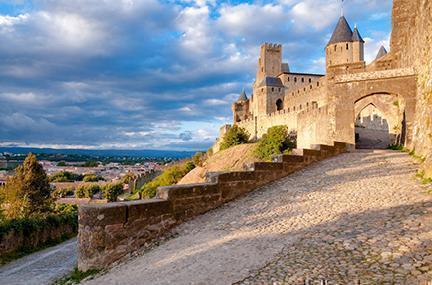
[(345, 46), (270, 62)]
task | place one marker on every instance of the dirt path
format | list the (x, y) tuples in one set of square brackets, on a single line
[(357, 216), (42, 267)]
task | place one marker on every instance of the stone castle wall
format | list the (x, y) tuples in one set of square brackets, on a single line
[(412, 44), (111, 231), (313, 127)]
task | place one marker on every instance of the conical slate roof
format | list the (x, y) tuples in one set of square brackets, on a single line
[(356, 36), (243, 96), (342, 32), (382, 52)]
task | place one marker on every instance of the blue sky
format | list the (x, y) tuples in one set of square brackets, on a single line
[(152, 74)]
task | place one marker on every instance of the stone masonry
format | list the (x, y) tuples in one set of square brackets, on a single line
[(111, 231)]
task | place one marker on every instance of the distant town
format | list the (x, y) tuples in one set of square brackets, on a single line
[(107, 168)]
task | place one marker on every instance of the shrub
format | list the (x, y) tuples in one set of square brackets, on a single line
[(395, 147), (234, 136), (199, 158), (87, 191), (277, 140), (92, 178), (91, 163), (169, 176), (37, 226), (65, 176), (62, 193), (112, 191)]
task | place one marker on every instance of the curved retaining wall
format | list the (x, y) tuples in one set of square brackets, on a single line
[(108, 232)]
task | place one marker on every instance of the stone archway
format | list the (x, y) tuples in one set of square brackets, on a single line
[(379, 120)]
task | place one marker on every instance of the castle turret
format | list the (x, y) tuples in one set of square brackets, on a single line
[(345, 46), (382, 52), (240, 108), (358, 46)]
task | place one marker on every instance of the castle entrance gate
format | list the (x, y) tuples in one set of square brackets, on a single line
[(373, 109), (379, 121)]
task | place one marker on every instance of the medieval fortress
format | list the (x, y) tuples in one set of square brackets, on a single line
[(372, 105)]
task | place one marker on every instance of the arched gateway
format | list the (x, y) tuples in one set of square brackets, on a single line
[(374, 110)]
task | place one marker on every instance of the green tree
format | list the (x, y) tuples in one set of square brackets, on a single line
[(91, 163), (234, 136), (87, 191), (28, 192), (92, 178), (65, 176), (277, 140), (61, 163)]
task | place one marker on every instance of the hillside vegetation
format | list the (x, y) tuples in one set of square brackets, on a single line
[(231, 159)]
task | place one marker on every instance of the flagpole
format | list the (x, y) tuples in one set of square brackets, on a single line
[(342, 8)]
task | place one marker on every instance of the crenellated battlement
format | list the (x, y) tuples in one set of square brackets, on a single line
[(272, 47)]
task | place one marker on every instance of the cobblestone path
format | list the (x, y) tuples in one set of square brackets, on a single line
[(359, 218), (42, 267)]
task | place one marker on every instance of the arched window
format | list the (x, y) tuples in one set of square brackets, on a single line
[(295, 79), (279, 104), (335, 47)]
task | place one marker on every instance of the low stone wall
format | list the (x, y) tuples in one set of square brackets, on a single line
[(111, 231)]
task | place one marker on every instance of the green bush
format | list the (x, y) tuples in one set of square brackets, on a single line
[(169, 176), (234, 136), (87, 191), (65, 176), (395, 147), (91, 163), (277, 141), (29, 228), (62, 193), (92, 178), (112, 191), (199, 158)]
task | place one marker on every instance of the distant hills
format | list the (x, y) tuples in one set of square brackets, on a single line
[(101, 153)]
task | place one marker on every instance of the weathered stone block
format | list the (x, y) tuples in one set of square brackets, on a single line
[(268, 166), (102, 214), (147, 208), (236, 176)]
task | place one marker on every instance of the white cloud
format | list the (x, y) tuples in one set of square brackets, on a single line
[(197, 37), (8, 21), (309, 13), (215, 102)]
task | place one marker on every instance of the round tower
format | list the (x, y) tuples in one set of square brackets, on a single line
[(345, 46)]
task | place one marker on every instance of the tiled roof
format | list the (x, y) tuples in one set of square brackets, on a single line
[(356, 36), (271, 81), (243, 96), (342, 32), (382, 52)]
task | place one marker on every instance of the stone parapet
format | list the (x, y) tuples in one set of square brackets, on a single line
[(109, 232), (375, 75)]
